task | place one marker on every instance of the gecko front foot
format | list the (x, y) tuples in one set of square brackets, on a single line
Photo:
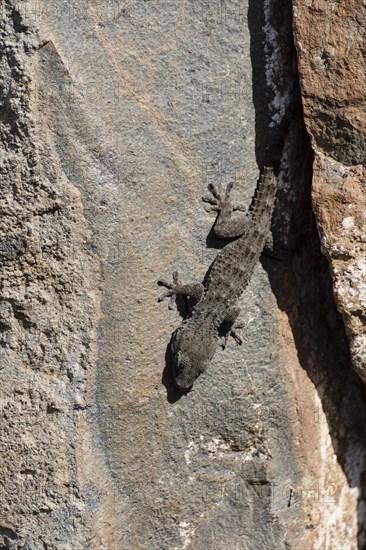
[(229, 327), (171, 293), (234, 334), (194, 290)]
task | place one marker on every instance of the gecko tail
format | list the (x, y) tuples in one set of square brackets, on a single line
[(264, 196)]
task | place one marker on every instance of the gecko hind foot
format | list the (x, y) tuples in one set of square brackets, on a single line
[(217, 201), (212, 204)]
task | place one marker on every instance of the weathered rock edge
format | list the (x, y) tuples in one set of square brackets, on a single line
[(330, 46)]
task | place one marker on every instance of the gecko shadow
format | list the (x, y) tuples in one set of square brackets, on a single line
[(173, 393), (303, 285)]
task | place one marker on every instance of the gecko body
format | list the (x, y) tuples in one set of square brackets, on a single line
[(215, 313)]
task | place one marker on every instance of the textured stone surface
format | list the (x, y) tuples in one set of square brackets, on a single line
[(330, 43), (331, 49), (47, 317), (119, 115)]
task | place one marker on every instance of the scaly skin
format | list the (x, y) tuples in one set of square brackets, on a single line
[(194, 343)]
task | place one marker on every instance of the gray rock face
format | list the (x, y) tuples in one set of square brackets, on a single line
[(115, 118), (47, 316)]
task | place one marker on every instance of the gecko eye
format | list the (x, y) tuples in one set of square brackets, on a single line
[(179, 358)]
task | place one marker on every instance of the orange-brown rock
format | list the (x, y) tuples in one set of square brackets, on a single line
[(330, 44)]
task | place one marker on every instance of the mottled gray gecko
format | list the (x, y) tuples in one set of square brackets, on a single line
[(215, 312)]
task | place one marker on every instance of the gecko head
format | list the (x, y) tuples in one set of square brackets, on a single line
[(192, 353)]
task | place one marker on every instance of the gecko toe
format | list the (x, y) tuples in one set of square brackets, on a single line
[(166, 294), (212, 208), (213, 189), (210, 199), (228, 189), (236, 337), (163, 282)]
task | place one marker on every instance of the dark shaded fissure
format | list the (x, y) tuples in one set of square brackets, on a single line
[(302, 284)]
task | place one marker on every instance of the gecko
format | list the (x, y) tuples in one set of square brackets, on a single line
[(215, 313)]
